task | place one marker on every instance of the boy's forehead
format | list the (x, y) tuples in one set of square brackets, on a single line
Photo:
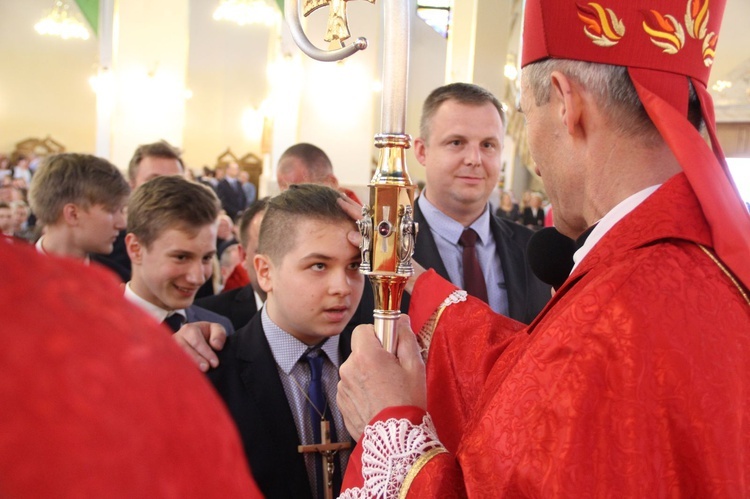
[(313, 224), (110, 204), (323, 236), (182, 236)]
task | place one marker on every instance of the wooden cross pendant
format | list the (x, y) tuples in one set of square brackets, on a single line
[(327, 449)]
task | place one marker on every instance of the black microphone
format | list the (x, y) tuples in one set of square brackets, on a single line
[(550, 256)]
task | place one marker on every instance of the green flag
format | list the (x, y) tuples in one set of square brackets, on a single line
[(90, 10)]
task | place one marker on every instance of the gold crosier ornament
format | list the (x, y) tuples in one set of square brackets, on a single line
[(387, 225), (338, 25)]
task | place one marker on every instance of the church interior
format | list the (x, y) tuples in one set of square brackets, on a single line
[(223, 79)]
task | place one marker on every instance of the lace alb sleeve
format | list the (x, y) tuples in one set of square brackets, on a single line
[(424, 335), (392, 452)]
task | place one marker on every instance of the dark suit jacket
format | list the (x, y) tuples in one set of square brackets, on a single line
[(528, 218), (232, 199), (195, 313), (527, 295), (363, 314), (248, 381), (118, 261), (237, 305)]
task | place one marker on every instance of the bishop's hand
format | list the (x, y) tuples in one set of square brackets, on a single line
[(373, 379), (354, 210)]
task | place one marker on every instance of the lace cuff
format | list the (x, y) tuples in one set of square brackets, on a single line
[(389, 451), (424, 336)]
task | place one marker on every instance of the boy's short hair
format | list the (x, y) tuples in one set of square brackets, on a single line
[(170, 202), (161, 149), (82, 179), (285, 212)]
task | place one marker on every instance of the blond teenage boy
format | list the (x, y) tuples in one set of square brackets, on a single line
[(80, 200)]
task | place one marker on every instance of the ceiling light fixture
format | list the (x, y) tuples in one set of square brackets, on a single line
[(722, 85), (62, 21), (245, 12)]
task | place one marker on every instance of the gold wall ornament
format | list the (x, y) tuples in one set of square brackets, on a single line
[(387, 226)]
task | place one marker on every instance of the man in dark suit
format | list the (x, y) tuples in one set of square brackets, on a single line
[(267, 374), (240, 305), (460, 146), (171, 242), (230, 192)]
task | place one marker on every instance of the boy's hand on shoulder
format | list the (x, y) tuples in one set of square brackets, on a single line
[(199, 340)]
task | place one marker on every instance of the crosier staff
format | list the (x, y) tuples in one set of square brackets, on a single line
[(387, 225)]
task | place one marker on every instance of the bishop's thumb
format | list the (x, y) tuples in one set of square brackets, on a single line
[(408, 348)]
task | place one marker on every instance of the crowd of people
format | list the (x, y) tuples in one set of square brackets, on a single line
[(627, 377), (530, 212), (16, 219), (184, 262)]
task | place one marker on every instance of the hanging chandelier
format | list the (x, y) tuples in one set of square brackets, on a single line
[(62, 21), (245, 12)]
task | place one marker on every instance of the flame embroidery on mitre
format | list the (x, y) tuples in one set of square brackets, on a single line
[(602, 25), (696, 18), (665, 31), (709, 48), (696, 22)]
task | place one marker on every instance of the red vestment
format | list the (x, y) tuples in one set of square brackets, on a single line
[(634, 381), (350, 194), (96, 400)]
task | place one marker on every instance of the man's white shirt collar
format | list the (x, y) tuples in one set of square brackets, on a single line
[(157, 313), (40, 249), (609, 220), (449, 228)]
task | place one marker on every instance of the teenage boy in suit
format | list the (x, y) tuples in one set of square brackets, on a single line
[(148, 161), (171, 242), (80, 200), (311, 276)]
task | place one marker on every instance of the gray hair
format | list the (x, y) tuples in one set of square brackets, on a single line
[(613, 91)]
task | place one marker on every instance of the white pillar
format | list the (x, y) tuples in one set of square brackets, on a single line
[(478, 43), (104, 80), (145, 100)]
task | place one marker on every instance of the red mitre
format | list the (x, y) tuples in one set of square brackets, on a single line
[(663, 43)]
